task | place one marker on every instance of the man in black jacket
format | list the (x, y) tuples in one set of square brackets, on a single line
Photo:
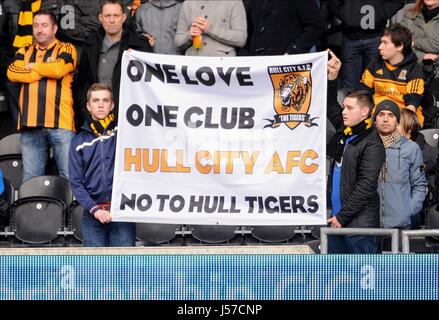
[(363, 22), (101, 57), (358, 154), (276, 27)]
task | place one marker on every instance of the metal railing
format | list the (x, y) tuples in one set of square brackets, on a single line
[(407, 234), (324, 232)]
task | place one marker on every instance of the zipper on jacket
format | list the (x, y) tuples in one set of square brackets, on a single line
[(101, 141), (399, 157)]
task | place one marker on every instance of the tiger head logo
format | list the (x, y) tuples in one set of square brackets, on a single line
[(293, 91), (292, 88)]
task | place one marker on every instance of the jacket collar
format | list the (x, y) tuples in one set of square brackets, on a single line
[(360, 136), (414, 15), (129, 40), (86, 127), (163, 3), (398, 143), (96, 38), (51, 45), (408, 59)]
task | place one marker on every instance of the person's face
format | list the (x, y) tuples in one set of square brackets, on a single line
[(431, 4), (100, 104), (353, 113), (112, 18), (44, 30), (386, 122), (387, 49)]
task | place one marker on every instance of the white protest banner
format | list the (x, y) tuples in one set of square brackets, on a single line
[(226, 141)]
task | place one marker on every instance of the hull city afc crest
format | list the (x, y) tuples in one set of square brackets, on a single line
[(402, 75), (292, 95)]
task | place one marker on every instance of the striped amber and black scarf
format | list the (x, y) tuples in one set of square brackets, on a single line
[(338, 142), (99, 126), (23, 36)]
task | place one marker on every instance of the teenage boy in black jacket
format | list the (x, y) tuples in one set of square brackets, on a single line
[(357, 154)]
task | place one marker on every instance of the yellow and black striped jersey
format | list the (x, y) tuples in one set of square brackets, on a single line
[(402, 83), (46, 94)]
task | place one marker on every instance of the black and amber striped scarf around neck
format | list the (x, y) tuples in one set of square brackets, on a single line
[(99, 126), (338, 142)]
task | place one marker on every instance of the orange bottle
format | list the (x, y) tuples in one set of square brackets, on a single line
[(197, 42)]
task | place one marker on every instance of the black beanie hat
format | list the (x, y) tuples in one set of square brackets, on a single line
[(388, 105)]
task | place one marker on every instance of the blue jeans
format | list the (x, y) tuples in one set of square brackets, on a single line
[(356, 56), (113, 234), (352, 244), (34, 147)]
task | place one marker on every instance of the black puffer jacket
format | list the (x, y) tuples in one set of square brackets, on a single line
[(362, 161)]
